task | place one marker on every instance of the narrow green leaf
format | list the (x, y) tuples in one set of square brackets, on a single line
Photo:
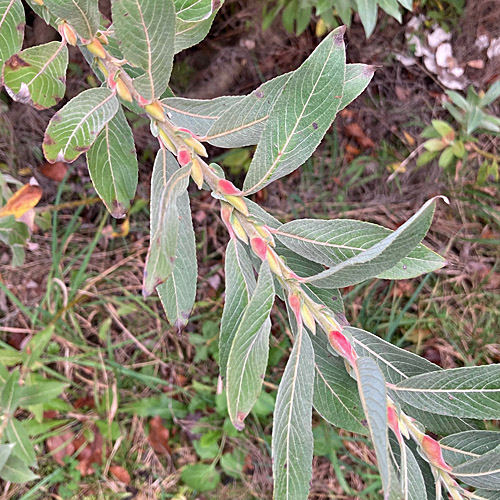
[(178, 293), (407, 4), (391, 7), (240, 285), (481, 472), (113, 166), (463, 446), (146, 30), (367, 10), (372, 389), (5, 451), (198, 115), (474, 118), (37, 346), (16, 471), (301, 115), (414, 489), (377, 258), (12, 25), (165, 222), (74, 128), (336, 396), (37, 75), (11, 393), (471, 392), (82, 15), (487, 495), (24, 449), (40, 392), (247, 361), (292, 438), (242, 124), (492, 94)]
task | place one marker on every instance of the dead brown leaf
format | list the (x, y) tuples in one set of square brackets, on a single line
[(354, 131), (120, 473), (22, 200), (91, 454), (54, 171), (63, 444), (158, 436)]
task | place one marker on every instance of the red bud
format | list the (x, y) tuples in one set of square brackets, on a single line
[(393, 422), (434, 453), (227, 187), (259, 246), (294, 302), (340, 343), (183, 157), (225, 213)]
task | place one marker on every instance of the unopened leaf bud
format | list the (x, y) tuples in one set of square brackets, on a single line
[(225, 212), (197, 173), (67, 32), (123, 90), (165, 139), (264, 232), (39, 2), (102, 38), (155, 111), (294, 302), (238, 202), (104, 70), (340, 344), (274, 261), (392, 419), (197, 146), (95, 47), (434, 453), (259, 246), (238, 228), (183, 157), (308, 318), (227, 187)]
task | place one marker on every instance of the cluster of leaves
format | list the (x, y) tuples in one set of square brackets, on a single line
[(473, 119), (350, 377), (296, 14)]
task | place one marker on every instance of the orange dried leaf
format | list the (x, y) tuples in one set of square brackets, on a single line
[(158, 436), (22, 200), (356, 132), (120, 473), (55, 171), (61, 445)]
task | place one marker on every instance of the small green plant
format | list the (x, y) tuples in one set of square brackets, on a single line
[(352, 378), (453, 145), (296, 15)]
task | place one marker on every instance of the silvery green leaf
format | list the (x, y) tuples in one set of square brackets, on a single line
[(240, 285), (193, 10), (471, 392), (249, 351), (415, 487), (198, 115), (292, 438), (37, 75), (16, 471), (370, 262), (74, 128), (5, 451), (463, 446), (12, 25), (481, 472), (357, 78), (367, 10), (113, 166), (301, 115), (188, 33), (372, 390), (178, 292), (165, 191), (145, 30), (82, 15), (24, 449), (483, 494)]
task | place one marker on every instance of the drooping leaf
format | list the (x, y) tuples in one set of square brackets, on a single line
[(374, 260), (336, 396), (249, 351), (292, 438), (193, 10), (367, 10), (82, 15), (74, 128), (178, 293), (165, 222), (113, 166), (242, 125), (481, 472), (301, 115), (189, 33), (471, 392), (197, 115), (37, 75), (145, 30), (463, 446), (12, 24), (24, 449), (16, 471), (240, 285), (391, 7), (372, 389)]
